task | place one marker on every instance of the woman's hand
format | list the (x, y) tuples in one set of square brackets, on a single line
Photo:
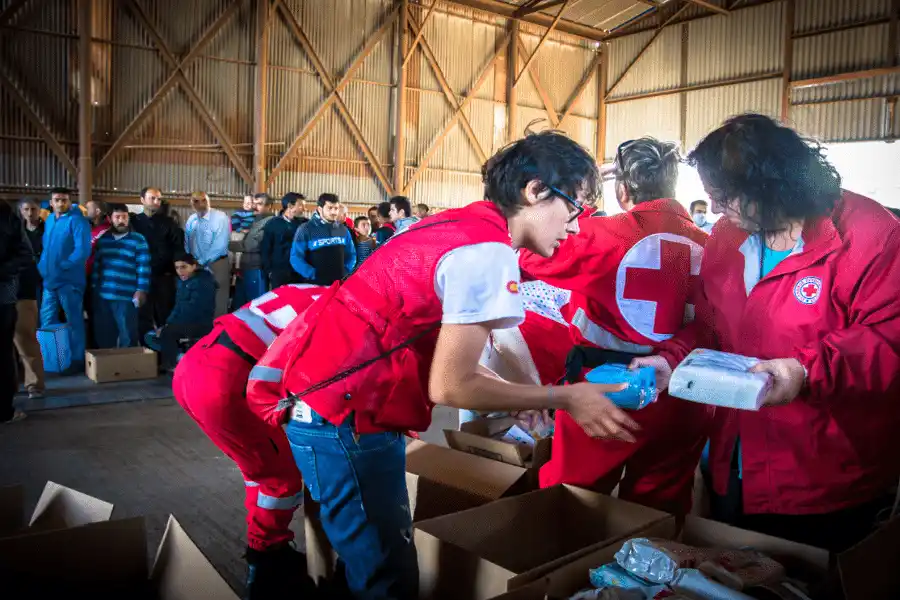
[(660, 364), (597, 415), (788, 377)]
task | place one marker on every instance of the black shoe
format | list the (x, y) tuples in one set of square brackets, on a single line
[(276, 574)]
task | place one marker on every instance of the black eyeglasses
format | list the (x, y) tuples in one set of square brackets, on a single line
[(575, 204)]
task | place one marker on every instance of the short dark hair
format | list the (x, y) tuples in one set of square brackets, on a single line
[(754, 160), (384, 210), (328, 198), (185, 257), (359, 220), (423, 207), (263, 196), (648, 168), (25, 201), (697, 203), (147, 189), (291, 198), (117, 207), (61, 190), (402, 203), (550, 157)]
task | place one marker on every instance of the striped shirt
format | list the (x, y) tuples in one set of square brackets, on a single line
[(121, 266), (241, 220)]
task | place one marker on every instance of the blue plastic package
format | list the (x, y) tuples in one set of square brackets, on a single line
[(641, 389)]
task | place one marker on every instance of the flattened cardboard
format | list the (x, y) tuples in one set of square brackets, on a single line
[(182, 572), (120, 364), (439, 481), (12, 509), (514, 541), (532, 591), (869, 570), (61, 507)]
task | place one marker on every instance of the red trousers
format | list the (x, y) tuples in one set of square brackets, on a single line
[(659, 467), (210, 384)]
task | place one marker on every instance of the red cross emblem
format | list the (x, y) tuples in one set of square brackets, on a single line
[(808, 289), (668, 286)]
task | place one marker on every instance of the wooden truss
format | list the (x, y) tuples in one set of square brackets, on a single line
[(334, 96), (177, 78)]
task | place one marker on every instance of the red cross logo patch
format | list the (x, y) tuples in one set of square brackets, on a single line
[(808, 290)]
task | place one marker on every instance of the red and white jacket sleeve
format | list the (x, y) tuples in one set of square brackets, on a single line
[(863, 358), (576, 265)]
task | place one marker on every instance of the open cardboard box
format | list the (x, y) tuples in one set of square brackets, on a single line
[(439, 480), (485, 551), (867, 571), (475, 437), (71, 546)]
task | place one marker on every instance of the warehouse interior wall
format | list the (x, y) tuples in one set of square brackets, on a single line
[(370, 98)]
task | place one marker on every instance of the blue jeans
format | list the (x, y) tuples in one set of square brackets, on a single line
[(255, 284), (71, 300), (360, 483), (115, 323)]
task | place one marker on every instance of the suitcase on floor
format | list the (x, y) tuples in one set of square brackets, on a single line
[(55, 349)]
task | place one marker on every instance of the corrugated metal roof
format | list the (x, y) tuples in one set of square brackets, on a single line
[(600, 14), (810, 15), (658, 69), (658, 117), (841, 121), (750, 43), (707, 109), (560, 83)]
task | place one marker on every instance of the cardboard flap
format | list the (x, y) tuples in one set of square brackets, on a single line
[(60, 507), (485, 478), (111, 552), (182, 572), (12, 509), (532, 591), (795, 557), (535, 529), (869, 569), (474, 437)]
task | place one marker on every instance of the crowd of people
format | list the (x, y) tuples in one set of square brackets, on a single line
[(118, 279), (337, 351)]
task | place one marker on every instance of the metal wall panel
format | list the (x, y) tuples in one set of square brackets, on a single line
[(842, 121), (583, 131), (658, 69), (706, 109), (560, 69), (442, 189), (750, 43), (810, 15), (352, 182), (177, 172), (657, 117)]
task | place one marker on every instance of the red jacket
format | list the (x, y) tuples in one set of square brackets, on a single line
[(96, 232), (365, 347), (833, 305), (630, 275), (255, 325)]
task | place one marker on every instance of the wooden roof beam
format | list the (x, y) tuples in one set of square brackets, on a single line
[(508, 10)]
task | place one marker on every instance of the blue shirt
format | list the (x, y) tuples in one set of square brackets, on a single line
[(121, 266), (772, 258), (207, 237), (241, 220), (67, 245)]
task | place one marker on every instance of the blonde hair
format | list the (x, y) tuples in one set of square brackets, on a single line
[(199, 196)]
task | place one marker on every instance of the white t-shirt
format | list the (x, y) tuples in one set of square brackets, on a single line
[(480, 284)]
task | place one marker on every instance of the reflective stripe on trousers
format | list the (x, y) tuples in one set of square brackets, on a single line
[(272, 503)]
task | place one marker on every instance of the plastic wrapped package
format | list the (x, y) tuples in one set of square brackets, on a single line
[(641, 390), (720, 379), (644, 559), (741, 569), (609, 594), (692, 582)]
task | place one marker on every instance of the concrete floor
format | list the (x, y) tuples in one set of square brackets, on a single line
[(146, 457)]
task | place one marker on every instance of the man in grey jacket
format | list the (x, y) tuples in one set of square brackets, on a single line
[(255, 283)]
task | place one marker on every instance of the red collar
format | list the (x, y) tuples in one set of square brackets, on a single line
[(668, 205)]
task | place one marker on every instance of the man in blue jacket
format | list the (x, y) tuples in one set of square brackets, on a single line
[(323, 251), (67, 246), (278, 238)]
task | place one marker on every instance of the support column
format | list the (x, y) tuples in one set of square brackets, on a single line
[(512, 96), (261, 96), (400, 98), (788, 59), (85, 105), (685, 43), (602, 77)]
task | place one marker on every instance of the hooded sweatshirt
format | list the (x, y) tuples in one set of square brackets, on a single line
[(195, 301), (67, 245)]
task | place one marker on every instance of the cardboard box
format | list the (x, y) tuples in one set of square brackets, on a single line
[(72, 547), (866, 572), (475, 437), (120, 364), (439, 480), (482, 552)]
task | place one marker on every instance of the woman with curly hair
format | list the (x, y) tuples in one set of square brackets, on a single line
[(804, 276)]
